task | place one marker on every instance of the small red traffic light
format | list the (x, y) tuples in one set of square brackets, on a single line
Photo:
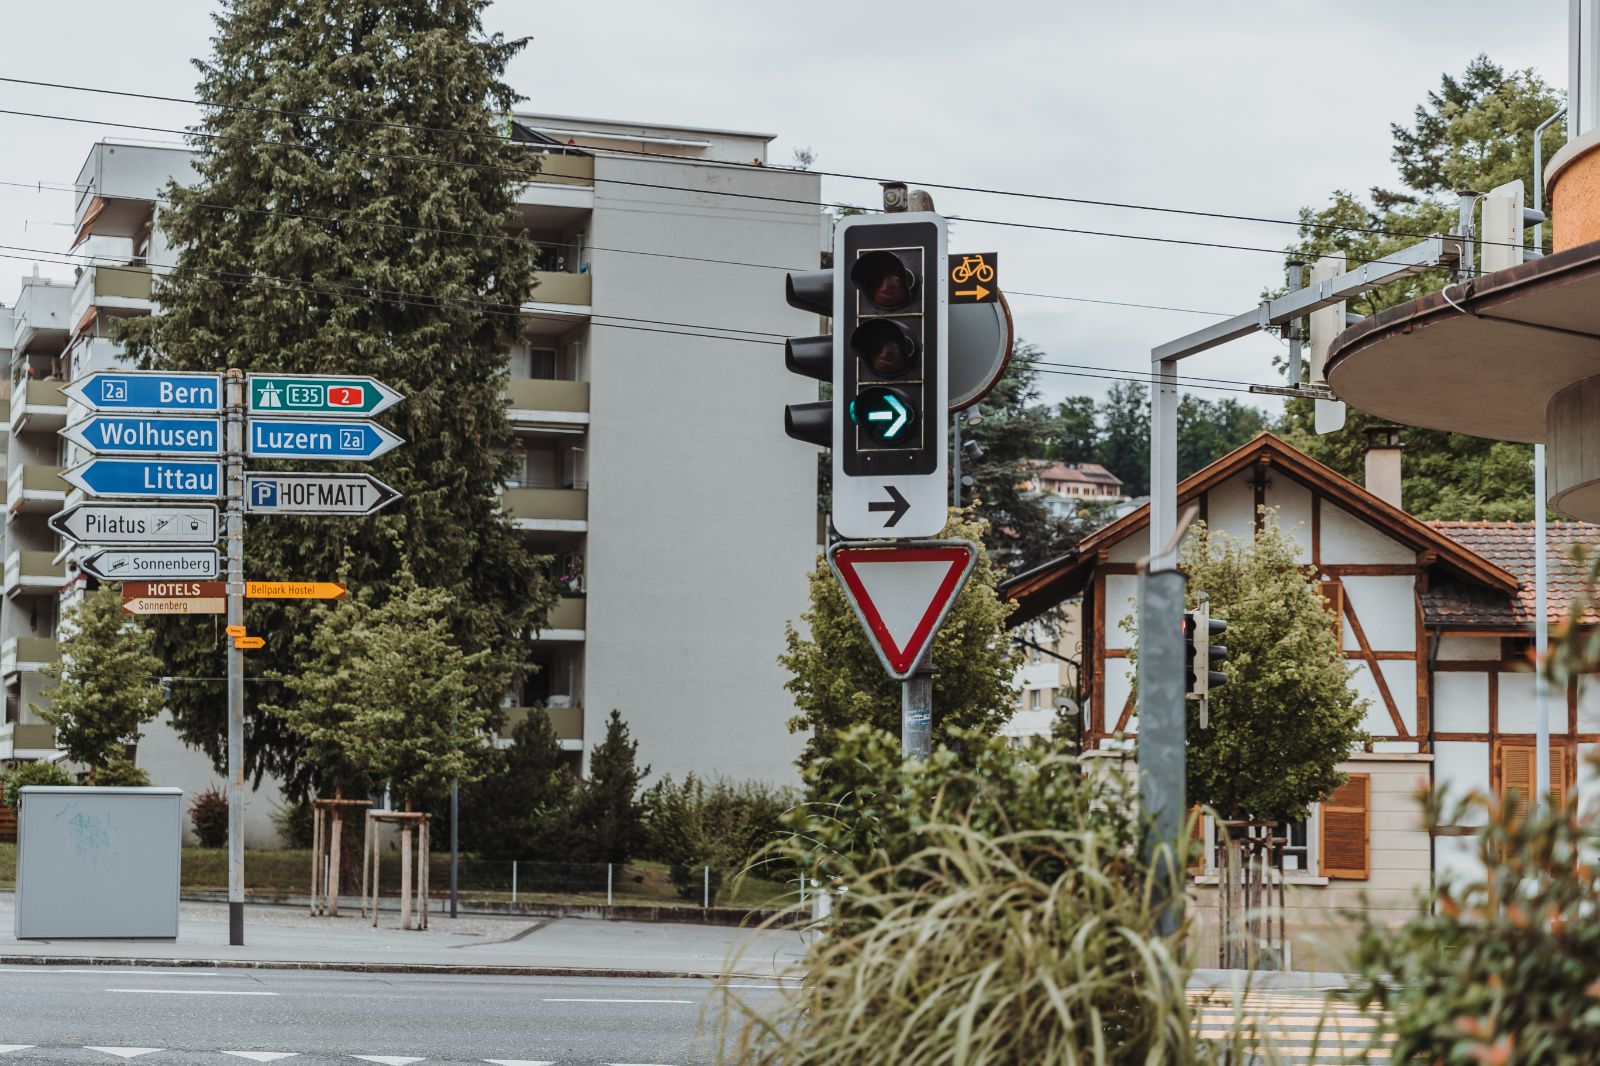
[(884, 279)]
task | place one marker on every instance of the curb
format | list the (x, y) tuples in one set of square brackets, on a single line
[(622, 912), (377, 967)]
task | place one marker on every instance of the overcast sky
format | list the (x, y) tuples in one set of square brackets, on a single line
[(1242, 107)]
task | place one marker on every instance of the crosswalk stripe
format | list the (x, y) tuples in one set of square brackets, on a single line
[(123, 1052), (262, 1056), (14, 1047), (521, 1062), (386, 1060)]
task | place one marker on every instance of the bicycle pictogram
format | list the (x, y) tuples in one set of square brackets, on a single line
[(971, 267)]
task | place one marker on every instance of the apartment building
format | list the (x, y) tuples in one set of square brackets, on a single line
[(645, 396)]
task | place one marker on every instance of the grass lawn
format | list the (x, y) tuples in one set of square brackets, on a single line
[(288, 872)]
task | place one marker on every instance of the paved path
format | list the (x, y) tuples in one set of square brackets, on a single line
[(283, 935), (1306, 1027)]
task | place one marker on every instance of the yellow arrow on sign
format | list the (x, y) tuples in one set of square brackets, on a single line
[(293, 590), (977, 293), (249, 642)]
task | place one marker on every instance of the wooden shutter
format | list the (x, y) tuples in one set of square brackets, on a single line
[(1519, 763), (1558, 777), (1347, 830)]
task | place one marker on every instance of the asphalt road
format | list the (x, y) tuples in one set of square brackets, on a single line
[(106, 1014)]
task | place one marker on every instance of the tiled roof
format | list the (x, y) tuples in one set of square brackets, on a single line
[(1509, 545), (1091, 472)]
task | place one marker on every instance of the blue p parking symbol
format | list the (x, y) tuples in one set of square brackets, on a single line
[(263, 494)]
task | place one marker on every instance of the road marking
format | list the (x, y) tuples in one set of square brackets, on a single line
[(14, 1047), (123, 1052), (190, 992), (107, 971), (620, 1001), (386, 1060), (262, 1056), (521, 1062)]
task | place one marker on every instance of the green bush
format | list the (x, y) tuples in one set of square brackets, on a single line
[(209, 815), (692, 825), (1503, 967), (292, 820), (33, 773), (121, 773), (992, 907)]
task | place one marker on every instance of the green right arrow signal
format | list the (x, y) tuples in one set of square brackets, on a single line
[(884, 413)]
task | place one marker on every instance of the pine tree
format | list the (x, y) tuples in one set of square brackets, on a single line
[(108, 684), (522, 808), (610, 812), (353, 213)]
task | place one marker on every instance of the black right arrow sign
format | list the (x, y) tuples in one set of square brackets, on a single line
[(897, 504)]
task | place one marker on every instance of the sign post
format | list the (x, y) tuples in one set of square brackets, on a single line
[(234, 503)]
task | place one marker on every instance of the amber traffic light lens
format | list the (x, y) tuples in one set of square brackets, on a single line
[(884, 345), (884, 280)]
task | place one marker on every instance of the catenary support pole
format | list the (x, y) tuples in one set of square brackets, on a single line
[(455, 810), (234, 501), (1163, 454), (1541, 633), (916, 715), (1162, 728)]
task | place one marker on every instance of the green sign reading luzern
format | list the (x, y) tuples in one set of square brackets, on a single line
[(318, 394)]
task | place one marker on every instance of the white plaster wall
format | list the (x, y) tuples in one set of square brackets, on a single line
[(1401, 677), (1132, 550), (1461, 766), (702, 524), (1517, 711), (1230, 507), (1347, 539), (1461, 702), (1119, 682), (1377, 721), (1293, 503), (1588, 779), (172, 764), (1387, 609), (1122, 601), (1589, 704), (1469, 648)]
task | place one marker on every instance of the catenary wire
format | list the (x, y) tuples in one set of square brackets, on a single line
[(733, 164), (517, 172), (8, 251)]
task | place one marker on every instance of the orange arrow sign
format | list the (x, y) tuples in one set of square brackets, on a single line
[(249, 642), (293, 590), (236, 631)]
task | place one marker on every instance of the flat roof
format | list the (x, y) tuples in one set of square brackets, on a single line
[(621, 126)]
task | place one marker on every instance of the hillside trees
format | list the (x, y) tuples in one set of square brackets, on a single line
[(341, 230)]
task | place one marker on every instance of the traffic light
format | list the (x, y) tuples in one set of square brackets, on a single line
[(810, 290), (891, 388), (1199, 653)]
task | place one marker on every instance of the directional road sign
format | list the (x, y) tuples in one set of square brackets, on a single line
[(902, 594), (235, 631), (169, 590), (305, 493), (112, 524), (293, 590), (334, 395), (147, 477), (249, 643), (147, 435), (134, 564), (170, 605), (149, 391), (973, 278), (317, 438)]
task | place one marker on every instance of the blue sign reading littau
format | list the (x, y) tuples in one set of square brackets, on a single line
[(147, 478), (154, 392), (318, 438), (147, 435)]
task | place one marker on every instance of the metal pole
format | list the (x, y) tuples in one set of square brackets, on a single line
[(1163, 730), (1541, 547), (455, 796), (1297, 281), (235, 513), (513, 880), (1163, 456), (706, 898), (916, 715), (608, 883), (955, 460)]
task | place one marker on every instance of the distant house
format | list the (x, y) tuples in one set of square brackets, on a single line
[(1084, 480), (1436, 621)]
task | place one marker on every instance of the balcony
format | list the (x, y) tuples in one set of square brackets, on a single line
[(538, 405), (42, 312), (26, 740), (567, 721), (562, 289), (34, 488), (567, 621), (553, 510), (27, 653), (113, 290), (33, 573), (38, 405)]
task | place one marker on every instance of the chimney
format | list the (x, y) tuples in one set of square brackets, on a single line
[(1383, 464)]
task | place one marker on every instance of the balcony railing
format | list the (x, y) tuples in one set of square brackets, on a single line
[(35, 487), (40, 405), (566, 721), (111, 288), (27, 653), (534, 505), (553, 287), (566, 169), (28, 736), (541, 394), (34, 571), (569, 612)]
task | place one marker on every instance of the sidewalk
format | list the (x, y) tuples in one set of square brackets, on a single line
[(289, 938)]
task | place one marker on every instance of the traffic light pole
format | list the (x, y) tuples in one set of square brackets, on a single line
[(234, 502), (1162, 734)]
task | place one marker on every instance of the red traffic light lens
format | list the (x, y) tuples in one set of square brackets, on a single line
[(884, 280), (884, 345)]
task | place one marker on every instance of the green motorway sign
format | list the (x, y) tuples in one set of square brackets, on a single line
[(318, 394)]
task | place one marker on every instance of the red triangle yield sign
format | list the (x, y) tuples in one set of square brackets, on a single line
[(901, 594)]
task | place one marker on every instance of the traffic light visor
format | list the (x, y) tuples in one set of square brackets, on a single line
[(884, 279)]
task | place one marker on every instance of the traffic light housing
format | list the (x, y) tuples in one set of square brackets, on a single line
[(810, 290), (890, 375), (1200, 654)]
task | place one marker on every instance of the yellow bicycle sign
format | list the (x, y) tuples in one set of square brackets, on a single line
[(972, 278)]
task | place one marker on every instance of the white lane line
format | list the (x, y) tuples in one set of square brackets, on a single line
[(264, 1056), (190, 992), (123, 1052), (386, 1060), (620, 1001), (521, 1062), (14, 1047)]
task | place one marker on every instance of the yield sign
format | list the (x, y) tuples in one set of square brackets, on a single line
[(901, 594)]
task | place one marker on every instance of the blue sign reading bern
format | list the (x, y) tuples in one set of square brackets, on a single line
[(108, 390)]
